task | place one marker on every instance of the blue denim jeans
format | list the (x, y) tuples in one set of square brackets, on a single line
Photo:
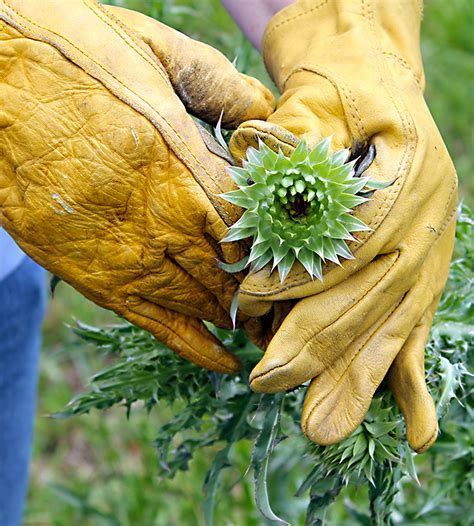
[(22, 307)]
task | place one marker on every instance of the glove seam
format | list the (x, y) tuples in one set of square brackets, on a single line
[(136, 48), (404, 64), (304, 423), (372, 333), (410, 137), (274, 27), (439, 234), (166, 135), (346, 94), (130, 34), (407, 125)]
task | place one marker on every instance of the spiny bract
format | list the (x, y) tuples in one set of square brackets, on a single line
[(298, 207)]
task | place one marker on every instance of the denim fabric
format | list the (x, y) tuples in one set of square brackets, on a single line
[(10, 255), (22, 307)]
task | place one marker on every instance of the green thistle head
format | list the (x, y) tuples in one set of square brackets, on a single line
[(298, 207)]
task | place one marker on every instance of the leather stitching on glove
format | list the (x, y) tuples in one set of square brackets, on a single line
[(303, 13), (156, 65), (389, 314), (176, 146), (404, 64), (406, 159)]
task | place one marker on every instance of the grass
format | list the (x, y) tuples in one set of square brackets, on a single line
[(100, 468)]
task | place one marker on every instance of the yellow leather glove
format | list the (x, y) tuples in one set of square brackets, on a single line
[(105, 179), (352, 69)]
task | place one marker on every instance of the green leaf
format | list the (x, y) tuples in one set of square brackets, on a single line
[(300, 153), (238, 175), (360, 445), (220, 462), (218, 133), (259, 250), (371, 184), (284, 266), (380, 428), (321, 151), (338, 231), (329, 250), (306, 258), (317, 267), (269, 160), (249, 219), (356, 185), (239, 198), (233, 268), (342, 249), (235, 234), (410, 463), (340, 157), (253, 156), (259, 263), (354, 224), (351, 201), (369, 471), (234, 307), (342, 173), (300, 186), (280, 250), (371, 448), (316, 245), (262, 450)]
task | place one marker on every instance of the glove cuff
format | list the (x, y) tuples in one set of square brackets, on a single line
[(309, 32)]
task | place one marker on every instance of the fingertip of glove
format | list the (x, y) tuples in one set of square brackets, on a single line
[(229, 367), (422, 443), (317, 432), (273, 376), (427, 444), (268, 104), (222, 361), (252, 132)]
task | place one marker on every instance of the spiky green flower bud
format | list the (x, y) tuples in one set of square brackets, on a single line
[(298, 208)]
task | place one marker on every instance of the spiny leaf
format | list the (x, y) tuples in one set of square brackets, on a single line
[(234, 308), (284, 266), (233, 268), (321, 151), (296, 202), (340, 157), (238, 175), (262, 450), (219, 136), (263, 260), (378, 185), (237, 197), (237, 233), (410, 463)]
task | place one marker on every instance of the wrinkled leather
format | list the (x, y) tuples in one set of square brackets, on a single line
[(354, 70), (106, 180)]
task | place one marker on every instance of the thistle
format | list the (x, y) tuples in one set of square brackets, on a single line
[(297, 208)]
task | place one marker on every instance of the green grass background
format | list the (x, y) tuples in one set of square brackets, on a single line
[(100, 468)]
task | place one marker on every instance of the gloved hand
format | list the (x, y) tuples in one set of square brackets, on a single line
[(105, 179), (353, 70)]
